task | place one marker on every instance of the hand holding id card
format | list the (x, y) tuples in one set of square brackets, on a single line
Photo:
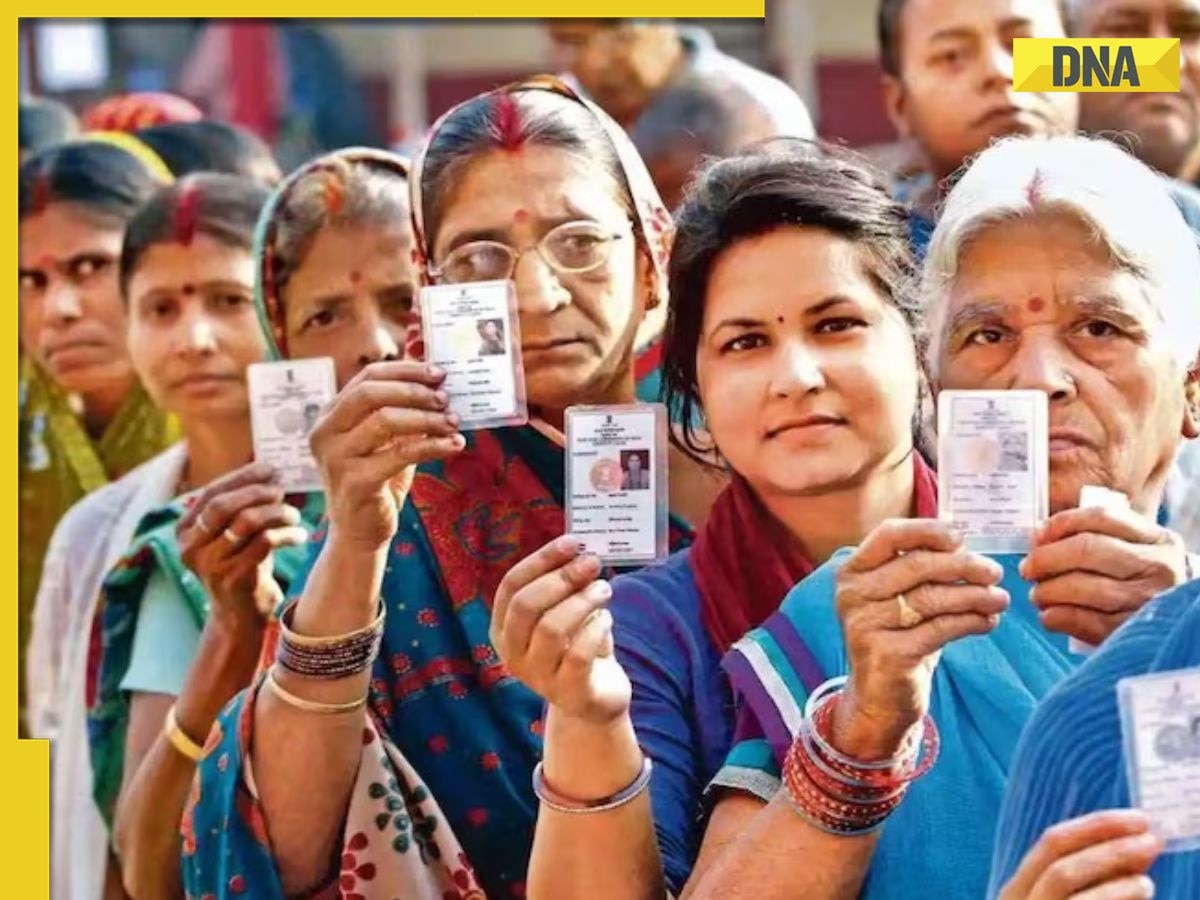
[(286, 399), (617, 481), (471, 331), (1160, 725), (993, 467)]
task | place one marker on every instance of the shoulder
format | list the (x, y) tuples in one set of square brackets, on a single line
[(660, 605), (1187, 198)]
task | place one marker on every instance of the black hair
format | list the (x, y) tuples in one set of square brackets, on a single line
[(102, 178), (42, 123), (887, 26), (224, 207), (887, 29), (711, 112), (778, 183), (208, 146), (509, 121)]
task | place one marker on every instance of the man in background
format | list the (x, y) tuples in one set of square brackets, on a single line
[(624, 65)]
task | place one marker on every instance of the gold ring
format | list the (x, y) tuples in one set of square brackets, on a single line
[(909, 617), (232, 536)]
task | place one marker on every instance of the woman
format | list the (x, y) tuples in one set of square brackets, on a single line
[(810, 391), (1065, 826), (186, 271), (208, 146), (83, 418), (1099, 317), (445, 754)]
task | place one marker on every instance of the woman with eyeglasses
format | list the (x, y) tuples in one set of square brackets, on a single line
[(387, 750)]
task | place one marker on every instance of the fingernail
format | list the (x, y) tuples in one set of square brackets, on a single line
[(454, 419), (458, 441), (437, 372), (292, 514), (958, 533), (994, 619), (599, 590), (567, 544), (442, 397)]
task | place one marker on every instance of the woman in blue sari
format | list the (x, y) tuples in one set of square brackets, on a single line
[(937, 640), (1069, 775), (428, 793)]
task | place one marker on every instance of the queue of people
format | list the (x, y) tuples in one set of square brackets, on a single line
[(418, 683)]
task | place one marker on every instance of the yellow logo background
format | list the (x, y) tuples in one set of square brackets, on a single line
[(1156, 61)]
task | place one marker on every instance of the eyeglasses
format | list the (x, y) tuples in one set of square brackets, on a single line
[(572, 248)]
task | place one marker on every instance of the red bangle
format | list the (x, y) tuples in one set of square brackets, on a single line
[(837, 793)]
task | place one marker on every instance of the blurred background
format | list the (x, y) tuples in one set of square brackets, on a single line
[(308, 85)]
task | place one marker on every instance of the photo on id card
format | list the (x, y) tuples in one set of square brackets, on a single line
[(617, 481), (993, 466), (471, 331), (1160, 728), (286, 399)]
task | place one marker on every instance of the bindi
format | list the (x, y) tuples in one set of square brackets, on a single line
[(779, 319), (188, 289), (521, 215), (355, 277), (1036, 304)]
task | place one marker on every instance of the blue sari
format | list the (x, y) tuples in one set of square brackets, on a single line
[(439, 696), (1070, 763), (939, 841)]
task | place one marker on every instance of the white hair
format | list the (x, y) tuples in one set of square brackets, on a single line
[(1127, 206)]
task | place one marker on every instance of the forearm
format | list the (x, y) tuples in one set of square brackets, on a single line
[(777, 854), (146, 828), (293, 747), (612, 854)]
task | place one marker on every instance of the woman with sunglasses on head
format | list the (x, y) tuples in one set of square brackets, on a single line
[(386, 700)]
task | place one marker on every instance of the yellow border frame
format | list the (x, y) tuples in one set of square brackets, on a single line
[(25, 765)]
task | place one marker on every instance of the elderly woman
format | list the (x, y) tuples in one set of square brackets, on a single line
[(1099, 316), (387, 751)]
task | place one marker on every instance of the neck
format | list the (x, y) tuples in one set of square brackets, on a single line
[(823, 523), (616, 391), (215, 448), (100, 406)]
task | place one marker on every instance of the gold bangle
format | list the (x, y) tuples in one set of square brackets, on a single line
[(308, 641), (312, 706), (180, 741)]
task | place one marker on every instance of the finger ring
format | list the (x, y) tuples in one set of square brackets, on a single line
[(232, 536), (909, 617)]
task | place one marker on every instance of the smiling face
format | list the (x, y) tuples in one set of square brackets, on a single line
[(192, 328), (577, 329), (1070, 322), (808, 385)]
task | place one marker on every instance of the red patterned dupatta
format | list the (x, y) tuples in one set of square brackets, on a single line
[(745, 562)]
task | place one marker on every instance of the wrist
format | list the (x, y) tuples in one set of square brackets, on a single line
[(588, 760), (861, 734)]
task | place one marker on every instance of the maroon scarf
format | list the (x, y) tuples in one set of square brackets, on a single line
[(745, 562)]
